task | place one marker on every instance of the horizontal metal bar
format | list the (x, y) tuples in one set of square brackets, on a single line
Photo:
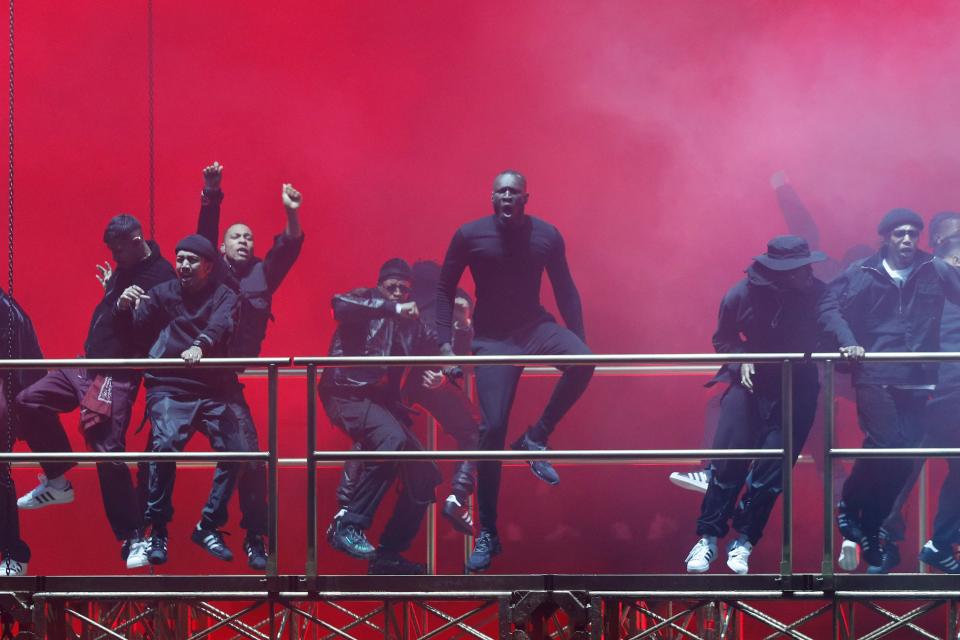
[(899, 595), (614, 359), (266, 595), (140, 363), (548, 372), (129, 456), (595, 454), (902, 452)]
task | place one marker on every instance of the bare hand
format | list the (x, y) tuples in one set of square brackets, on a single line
[(105, 272), (212, 176), (746, 376), (408, 310), (433, 379), (855, 352), (461, 312), (192, 355), (131, 297), (291, 197)]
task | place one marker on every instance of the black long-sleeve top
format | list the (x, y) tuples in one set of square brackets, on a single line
[(18, 340), (254, 283), (507, 266), (173, 319), (104, 339)]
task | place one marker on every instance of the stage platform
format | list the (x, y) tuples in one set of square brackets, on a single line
[(483, 606)]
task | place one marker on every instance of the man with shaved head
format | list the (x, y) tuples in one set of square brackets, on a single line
[(507, 254), (254, 280)]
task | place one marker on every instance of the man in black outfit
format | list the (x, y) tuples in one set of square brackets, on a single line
[(772, 310), (447, 403), (17, 340), (105, 398), (188, 318), (254, 281), (366, 403), (891, 301), (507, 254)]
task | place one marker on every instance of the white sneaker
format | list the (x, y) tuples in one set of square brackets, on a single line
[(43, 495), (694, 480), (738, 556), (702, 554), (138, 554), (849, 555), (10, 568)]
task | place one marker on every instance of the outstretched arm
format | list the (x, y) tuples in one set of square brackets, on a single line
[(286, 246), (795, 213), (208, 224)]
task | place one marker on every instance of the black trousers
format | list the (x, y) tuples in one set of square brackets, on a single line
[(252, 481), (458, 417), (174, 421), (888, 417), (62, 391), (11, 544), (754, 421), (496, 390), (371, 423)]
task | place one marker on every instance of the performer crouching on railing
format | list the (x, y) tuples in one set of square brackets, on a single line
[(772, 310), (188, 318), (17, 340), (105, 397), (366, 403), (447, 403), (507, 254), (891, 301), (254, 281)]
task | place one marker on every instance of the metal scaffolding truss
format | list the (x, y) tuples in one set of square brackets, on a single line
[(521, 607)]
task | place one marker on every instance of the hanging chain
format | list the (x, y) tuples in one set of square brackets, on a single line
[(150, 80), (6, 476)]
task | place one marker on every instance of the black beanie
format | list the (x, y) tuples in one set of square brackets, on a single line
[(395, 268), (898, 217), (199, 245)]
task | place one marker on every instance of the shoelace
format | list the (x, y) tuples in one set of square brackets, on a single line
[(484, 543)]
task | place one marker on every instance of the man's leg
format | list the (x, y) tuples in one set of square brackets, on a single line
[(14, 551), (40, 404), (171, 428), (943, 430), (120, 500)]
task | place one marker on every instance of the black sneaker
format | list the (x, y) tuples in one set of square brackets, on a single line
[(457, 512), (212, 541), (350, 539), (848, 523), (541, 468), (942, 559), (891, 558), (256, 552), (872, 551), (486, 546), (389, 563), (157, 552)]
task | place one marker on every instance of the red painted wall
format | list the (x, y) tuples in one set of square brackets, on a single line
[(648, 132)]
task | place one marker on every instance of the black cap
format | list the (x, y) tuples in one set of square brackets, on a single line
[(199, 245), (789, 252), (898, 217), (395, 268)]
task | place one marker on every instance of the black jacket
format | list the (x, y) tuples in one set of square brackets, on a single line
[(255, 283), (368, 325), (172, 319), (22, 344), (758, 317), (104, 338), (864, 306)]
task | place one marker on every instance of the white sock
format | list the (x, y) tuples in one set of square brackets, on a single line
[(60, 482)]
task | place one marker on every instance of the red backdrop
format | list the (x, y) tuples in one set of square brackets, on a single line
[(648, 132)]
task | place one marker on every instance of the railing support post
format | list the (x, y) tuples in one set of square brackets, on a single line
[(311, 471), (786, 559), (272, 470), (829, 427)]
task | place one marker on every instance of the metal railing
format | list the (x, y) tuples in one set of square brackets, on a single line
[(631, 363)]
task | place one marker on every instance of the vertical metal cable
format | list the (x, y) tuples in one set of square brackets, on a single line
[(6, 477), (150, 126)]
